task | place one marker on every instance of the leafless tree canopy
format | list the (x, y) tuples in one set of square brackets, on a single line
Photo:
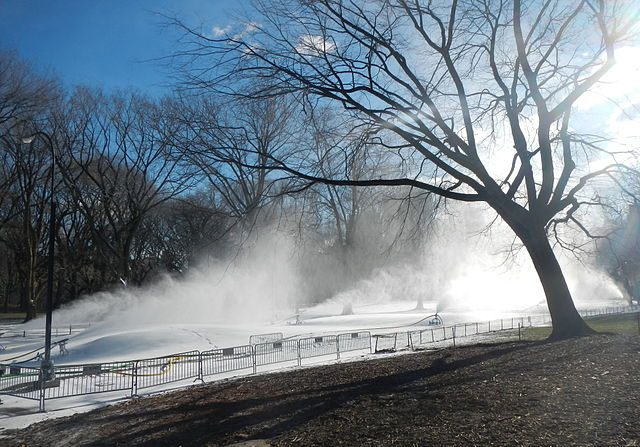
[(145, 187), (476, 99)]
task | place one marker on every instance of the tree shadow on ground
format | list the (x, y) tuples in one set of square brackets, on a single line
[(209, 420)]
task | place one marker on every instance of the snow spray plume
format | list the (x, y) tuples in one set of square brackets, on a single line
[(466, 270), (259, 281)]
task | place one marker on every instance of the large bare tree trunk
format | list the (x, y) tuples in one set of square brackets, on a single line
[(567, 322)]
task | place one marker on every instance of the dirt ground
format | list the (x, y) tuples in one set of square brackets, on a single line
[(576, 392)]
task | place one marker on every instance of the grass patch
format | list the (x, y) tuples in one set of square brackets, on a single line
[(617, 324)]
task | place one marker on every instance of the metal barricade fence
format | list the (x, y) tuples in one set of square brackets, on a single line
[(73, 380), (55, 331), (77, 380), (276, 352), (449, 332), (402, 341), (385, 342), (167, 369), (438, 334), (217, 361), (415, 339), (318, 346), (265, 338), (354, 341), (20, 381)]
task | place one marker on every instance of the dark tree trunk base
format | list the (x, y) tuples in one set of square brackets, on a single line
[(580, 329), (566, 320)]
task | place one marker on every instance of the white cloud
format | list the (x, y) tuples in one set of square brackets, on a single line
[(310, 45), (217, 31), (249, 28)]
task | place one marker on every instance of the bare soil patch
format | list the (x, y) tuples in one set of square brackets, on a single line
[(581, 391)]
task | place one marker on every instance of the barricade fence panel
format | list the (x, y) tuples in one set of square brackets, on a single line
[(354, 341), (265, 338), (55, 331), (385, 342), (402, 341), (77, 380), (276, 352), (449, 332), (465, 330), (415, 338), (438, 334), (318, 346), (20, 381), (167, 369), (217, 361)]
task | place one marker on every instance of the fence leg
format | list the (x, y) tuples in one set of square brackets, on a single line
[(253, 358), (200, 369), (465, 329), (299, 358), (519, 334), (134, 380), (501, 324), (370, 345), (337, 348), (42, 397), (489, 325), (453, 332)]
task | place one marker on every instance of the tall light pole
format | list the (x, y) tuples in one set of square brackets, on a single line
[(47, 364)]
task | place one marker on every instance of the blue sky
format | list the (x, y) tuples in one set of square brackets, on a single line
[(103, 43)]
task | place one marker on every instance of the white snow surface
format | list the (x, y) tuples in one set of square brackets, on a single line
[(108, 341)]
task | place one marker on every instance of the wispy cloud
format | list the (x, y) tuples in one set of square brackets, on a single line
[(217, 31), (314, 45)]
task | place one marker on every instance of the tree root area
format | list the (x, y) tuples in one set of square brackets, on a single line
[(581, 391)]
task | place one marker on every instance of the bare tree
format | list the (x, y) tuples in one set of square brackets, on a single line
[(25, 101), (367, 227), (25, 229), (23, 94), (229, 146), (120, 168), (452, 87)]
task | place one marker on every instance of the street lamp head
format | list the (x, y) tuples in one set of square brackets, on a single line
[(28, 140)]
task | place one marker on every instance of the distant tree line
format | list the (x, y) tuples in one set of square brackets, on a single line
[(147, 186)]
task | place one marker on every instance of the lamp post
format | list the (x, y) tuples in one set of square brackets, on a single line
[(47, 364)]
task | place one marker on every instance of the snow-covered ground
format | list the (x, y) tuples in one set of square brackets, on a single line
[(109, 341)]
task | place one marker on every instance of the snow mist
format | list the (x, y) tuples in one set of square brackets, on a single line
[(472, 265), (256, 286)]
